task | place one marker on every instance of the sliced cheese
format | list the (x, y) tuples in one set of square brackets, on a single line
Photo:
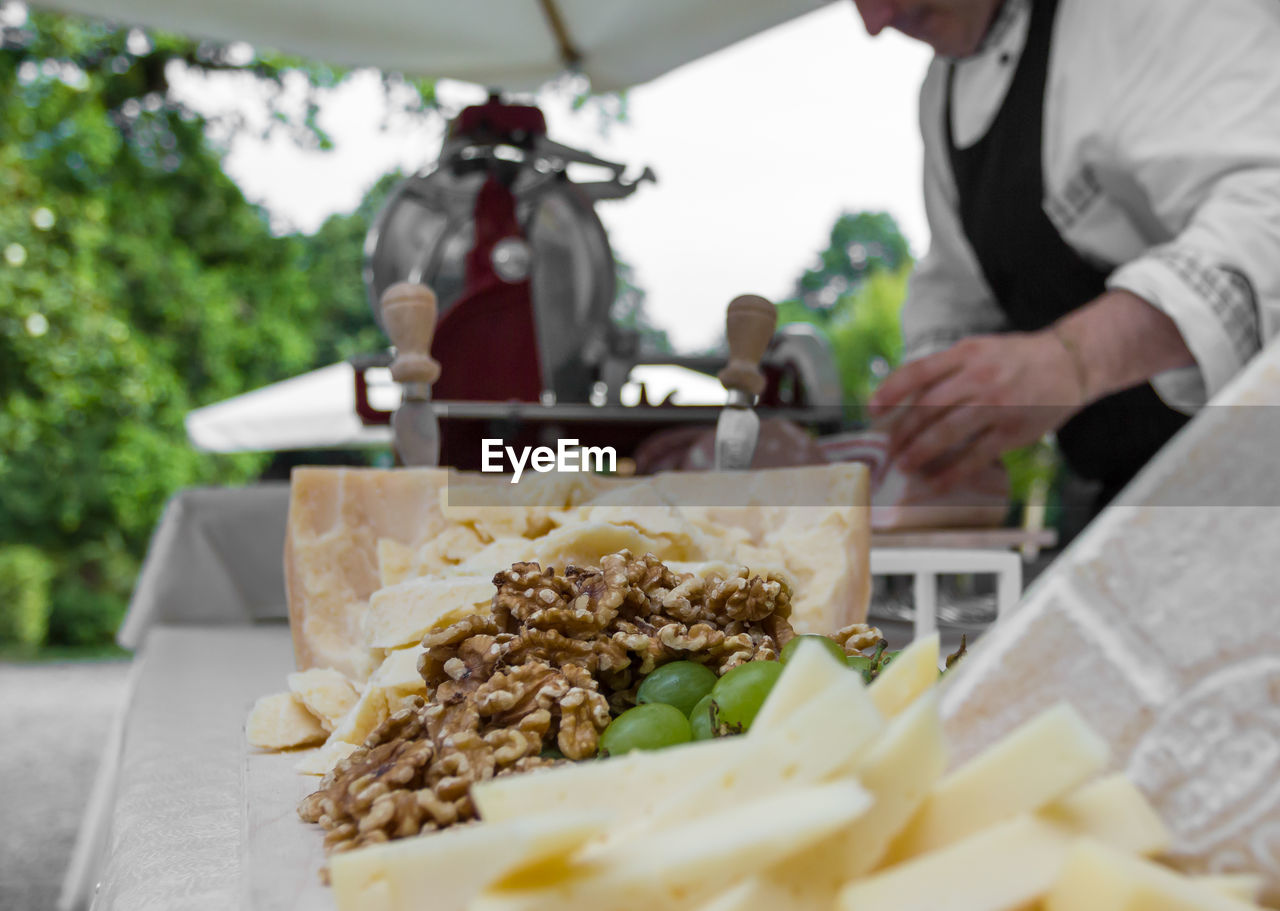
[(389, 688), (399, 670), (811, 670), (370, 710), (899, 770), (627, 786), (446, 870), (734, 842), (691, 862), (791, 893), (1247, 887), (1000, 868), (911, 674), (322, 760), (496, 556), (1096, 877), (325, 692), (709, 569), (748, 895), (499, 509), (1114, 810), (445, 550), (1042, 760), (402, 614), (811, 746), (280, 721), (584, 543), (336, 518), (451, 545)]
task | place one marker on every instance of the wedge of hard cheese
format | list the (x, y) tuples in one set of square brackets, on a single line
[(815, 520), (336, 518), (407, 534)]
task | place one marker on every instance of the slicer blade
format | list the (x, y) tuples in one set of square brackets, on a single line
[(417, 434), (737, 430)]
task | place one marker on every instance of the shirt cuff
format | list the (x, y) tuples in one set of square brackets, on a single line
[(1214, 309), (922, 344)]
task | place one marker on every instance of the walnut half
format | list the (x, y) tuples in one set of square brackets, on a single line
[(542, 672)]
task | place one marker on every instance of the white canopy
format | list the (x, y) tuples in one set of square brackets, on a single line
[(512, 44), (314, 411)]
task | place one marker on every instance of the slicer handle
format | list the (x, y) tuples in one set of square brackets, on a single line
[(749, 324), (409, 313)]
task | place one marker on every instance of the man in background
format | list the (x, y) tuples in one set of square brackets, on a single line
[(1102, 183)]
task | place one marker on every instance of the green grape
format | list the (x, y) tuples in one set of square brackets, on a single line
[(701, 720), (645, 727), (830, 645), (680, 683), (739, 694), (862, 664)]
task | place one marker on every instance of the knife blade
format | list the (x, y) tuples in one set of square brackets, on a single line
[(417, 432), (737, 431), (749, 324)]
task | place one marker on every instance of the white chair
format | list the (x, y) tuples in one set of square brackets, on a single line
[(926, 564)]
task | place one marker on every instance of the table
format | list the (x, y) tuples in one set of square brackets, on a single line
[(215, 557), (179, 833), (183, 815), (975, 538)]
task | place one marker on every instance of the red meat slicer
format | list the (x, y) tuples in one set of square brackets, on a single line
[(525, 283)]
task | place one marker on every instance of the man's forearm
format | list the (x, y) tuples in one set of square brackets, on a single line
[(1119, 340)]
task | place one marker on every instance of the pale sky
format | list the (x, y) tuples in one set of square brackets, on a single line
[(757, 149)]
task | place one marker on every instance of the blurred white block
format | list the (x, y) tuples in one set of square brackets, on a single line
[(1159, 624)]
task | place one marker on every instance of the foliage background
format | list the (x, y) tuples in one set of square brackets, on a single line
[(853, 293), (136, 284)]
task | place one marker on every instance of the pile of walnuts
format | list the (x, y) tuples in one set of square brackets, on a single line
[(536, 679)]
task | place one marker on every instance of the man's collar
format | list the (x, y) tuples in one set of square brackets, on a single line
[(1007, 15)]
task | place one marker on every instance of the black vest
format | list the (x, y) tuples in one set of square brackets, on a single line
[(1035, 275)]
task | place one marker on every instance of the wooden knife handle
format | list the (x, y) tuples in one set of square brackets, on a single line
[(409, 313), (749, 324)]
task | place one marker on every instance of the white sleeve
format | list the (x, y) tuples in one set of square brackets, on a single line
[(1197, 131), (947, 297)]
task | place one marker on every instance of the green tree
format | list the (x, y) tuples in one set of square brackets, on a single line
[(861, 244), (854, 295), (629, 312), (137, 283), (331, 262)]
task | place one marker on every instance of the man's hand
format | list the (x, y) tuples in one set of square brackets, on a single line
[(962, 408)]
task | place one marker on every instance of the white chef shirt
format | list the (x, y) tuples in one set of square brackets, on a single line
[(1161, 162)]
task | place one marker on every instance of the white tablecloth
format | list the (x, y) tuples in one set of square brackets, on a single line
[(216, 557), (179, 826)]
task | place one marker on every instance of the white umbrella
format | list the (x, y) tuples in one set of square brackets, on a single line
[(685, 386), (316, 410), (512, 44)]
